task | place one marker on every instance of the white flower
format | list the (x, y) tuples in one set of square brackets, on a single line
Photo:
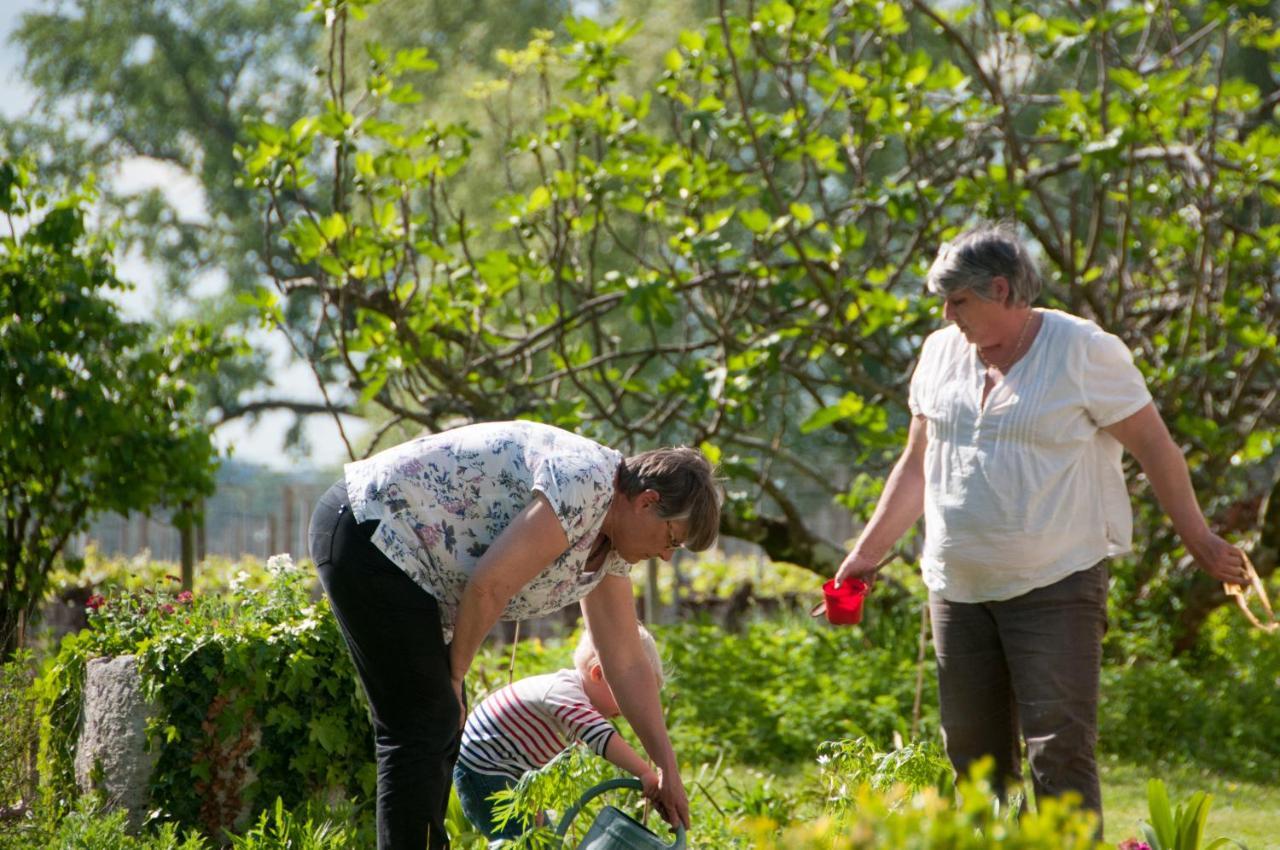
[(282, 564)]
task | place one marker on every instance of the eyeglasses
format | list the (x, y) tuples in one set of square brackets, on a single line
[(672, 542)]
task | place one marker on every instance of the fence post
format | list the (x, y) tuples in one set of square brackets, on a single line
[(273, 541), (188, 547), (290, 536)]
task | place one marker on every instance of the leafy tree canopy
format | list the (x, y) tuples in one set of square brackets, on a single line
[(96, 413), (731, 255)]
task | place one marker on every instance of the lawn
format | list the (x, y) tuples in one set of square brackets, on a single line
[(1244, 811)]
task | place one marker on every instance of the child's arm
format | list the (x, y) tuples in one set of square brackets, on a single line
[(619, 752)]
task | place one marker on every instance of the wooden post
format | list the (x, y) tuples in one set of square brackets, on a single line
[(124, 535), (273, 542), (188, 546), (290, 534)]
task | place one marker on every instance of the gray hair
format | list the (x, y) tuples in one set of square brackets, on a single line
[(977, 256), (585, 654), (686, 486)]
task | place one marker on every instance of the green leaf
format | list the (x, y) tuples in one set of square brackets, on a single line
[(802, 213), (755, 220), (1161, 815)]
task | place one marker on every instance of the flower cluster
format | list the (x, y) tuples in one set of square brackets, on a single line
[(1133, 844), (137, 614)]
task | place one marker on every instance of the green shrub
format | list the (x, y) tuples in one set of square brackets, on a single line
[(87, 827), (1156, 708), (898, 820), (774, 692), (18, 731), (218, 668), (280, 828), (851, 764)]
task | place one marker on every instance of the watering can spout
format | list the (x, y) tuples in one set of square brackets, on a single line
[(614, 829)]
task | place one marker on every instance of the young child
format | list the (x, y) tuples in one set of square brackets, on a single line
[(528, 723)]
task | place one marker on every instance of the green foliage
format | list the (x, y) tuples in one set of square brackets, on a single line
[(853, 763), (731, 253), (711, 575), (281, 828), (258, 680), (1181, 828), (88, 827), (18, 732), (1151, 699), (898, 820), (772, 693), (96, 412)]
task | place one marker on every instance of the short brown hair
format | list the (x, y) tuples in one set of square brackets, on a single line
[(686, 486)]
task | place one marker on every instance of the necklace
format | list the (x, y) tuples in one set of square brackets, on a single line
[(1017, 346)]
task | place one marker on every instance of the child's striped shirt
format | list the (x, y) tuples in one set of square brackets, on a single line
[(530, 722)]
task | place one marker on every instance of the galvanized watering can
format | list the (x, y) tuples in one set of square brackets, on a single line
[(614, 829)]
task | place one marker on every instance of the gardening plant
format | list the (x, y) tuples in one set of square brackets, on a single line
[(255, 683)]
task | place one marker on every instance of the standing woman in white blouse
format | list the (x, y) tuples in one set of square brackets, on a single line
[(1019, 420), (423, 547)]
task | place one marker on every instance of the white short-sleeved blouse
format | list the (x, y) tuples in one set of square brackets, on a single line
[(1026, 490), (443, 499)]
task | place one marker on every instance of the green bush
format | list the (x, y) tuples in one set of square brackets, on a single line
[(898, 820), (17, 732), (1215, 708), (87, 827), (774, 692), (219, 668)]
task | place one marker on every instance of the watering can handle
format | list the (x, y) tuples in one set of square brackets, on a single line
[(595, 791)]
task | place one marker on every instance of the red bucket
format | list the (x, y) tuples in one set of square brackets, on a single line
[(843, 604)]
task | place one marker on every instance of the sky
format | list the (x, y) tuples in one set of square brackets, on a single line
[(261, 442)]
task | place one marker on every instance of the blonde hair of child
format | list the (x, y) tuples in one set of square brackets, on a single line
[(585, 654)]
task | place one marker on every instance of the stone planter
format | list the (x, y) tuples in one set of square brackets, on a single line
[(111, 753)]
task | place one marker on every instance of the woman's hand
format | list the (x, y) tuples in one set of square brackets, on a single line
[(669, 797), (856, 565), (1219, 558)]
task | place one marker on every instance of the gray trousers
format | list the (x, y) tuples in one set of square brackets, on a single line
[(1026, 668)]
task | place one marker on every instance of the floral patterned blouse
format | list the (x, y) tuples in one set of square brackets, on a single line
[(444, 498)]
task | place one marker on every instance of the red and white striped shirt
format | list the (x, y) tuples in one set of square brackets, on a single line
[(530, 722)]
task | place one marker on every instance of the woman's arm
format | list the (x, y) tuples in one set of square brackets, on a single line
[(900, 505), (533, 540), (1147, 438), (610, 612)]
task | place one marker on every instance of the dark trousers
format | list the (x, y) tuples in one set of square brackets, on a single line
[(1026, 667), (392, 627)]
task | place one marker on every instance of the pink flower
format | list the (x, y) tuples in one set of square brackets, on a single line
[(95, 602), (185, 597), (1133, 844), (166, 608)]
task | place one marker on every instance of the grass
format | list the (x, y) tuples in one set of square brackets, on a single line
[(1244, 811)]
